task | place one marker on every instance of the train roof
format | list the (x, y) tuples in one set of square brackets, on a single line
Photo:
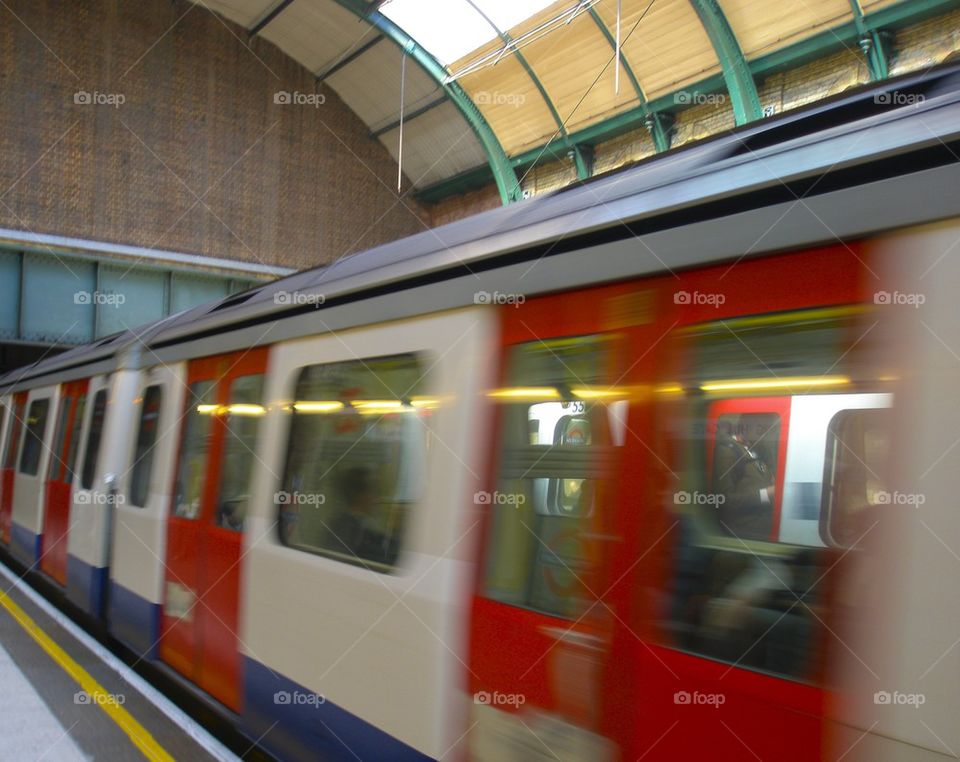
[(799, 144)]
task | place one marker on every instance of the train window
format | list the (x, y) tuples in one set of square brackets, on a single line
[(356, 459), (242, 419), (752, 428), (33, 442), (858, 446), (71, 464), (193, 449), (92, 454), (146, 439), (557, 431), (55, 470), (744, 468), (13, 435)]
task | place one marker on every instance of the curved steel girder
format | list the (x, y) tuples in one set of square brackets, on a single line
[(736, 71), (661, 136), (580, 159), (872, 44), (503, 172)]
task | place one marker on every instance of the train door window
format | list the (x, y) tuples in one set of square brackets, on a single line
[(33, 442), (556, 432), (242, 422), (858, 447), (92, 454), (146, 439), (745, 449), (57, 464), (191, 471), (70, 471), (741, 594), (356, 458), (13, 435)]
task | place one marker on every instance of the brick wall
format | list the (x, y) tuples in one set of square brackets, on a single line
[(197, 157)]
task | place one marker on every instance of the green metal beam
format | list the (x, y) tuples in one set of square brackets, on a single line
[(661, 136), (872, 45), (736, 72), (503, 174), (581, 161), (890, 18)]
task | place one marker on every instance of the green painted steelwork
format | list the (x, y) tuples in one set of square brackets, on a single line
[(844, 36), (584, 167), (872, 45), (503, 174), (661, 137), (736, 72)]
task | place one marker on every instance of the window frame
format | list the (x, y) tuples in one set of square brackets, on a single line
[(39, 438), (93, 440)]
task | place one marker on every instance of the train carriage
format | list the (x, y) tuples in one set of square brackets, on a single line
[(604, 476)]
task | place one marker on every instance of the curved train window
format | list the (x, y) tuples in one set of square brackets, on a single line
[(146, 439), (191, 470), (92, 454), (33, 441), (13, 435), (57, 465), (558, 422), (242, 420), (356, 459), (761, 400)]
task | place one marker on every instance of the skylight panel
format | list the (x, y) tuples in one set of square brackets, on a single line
[(449, 29)]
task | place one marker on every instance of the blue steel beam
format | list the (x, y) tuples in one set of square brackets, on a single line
[(503, 173), (736, 70)]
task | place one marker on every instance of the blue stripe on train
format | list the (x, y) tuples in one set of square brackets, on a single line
[(134, 620), (299, 728), (24, 544), (86, 585)]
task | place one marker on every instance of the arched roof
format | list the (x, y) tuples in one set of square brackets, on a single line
[(508, 82)]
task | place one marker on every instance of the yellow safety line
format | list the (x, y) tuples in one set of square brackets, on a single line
[(137, 733)]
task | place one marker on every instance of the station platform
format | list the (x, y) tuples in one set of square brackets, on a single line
[(64, 696)]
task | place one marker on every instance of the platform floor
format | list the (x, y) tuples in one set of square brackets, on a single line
[(64, 697)]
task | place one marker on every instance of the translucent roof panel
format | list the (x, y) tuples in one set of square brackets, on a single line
[(452, 28)]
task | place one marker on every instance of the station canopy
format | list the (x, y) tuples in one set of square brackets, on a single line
[(492, 82)]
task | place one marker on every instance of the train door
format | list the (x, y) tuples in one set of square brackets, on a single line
[(200, 620), (18, 410), (739, 590), (60, 475), (548, 600)]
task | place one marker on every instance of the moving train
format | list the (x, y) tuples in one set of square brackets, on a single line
[(658, 467)]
